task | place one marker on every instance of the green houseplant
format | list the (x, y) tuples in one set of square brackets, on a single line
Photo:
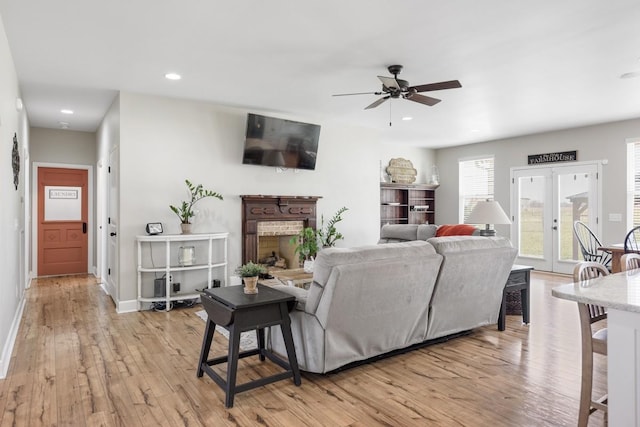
[(327, 236), (250, 273), (184, 211), (309, 241), (306, 242)]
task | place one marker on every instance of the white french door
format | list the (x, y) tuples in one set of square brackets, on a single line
[(545, 202)]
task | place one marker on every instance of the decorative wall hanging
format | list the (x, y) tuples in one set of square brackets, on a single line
[(564, 156), (401, 171), (15, 160)]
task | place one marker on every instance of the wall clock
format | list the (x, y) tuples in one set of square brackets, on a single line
[(15, 160)]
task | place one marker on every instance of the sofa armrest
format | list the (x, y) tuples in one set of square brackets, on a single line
[(299, 293)]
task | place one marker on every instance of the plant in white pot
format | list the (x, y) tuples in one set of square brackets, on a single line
[(250, 272), (185, 211), (309, 241), (306, 242)]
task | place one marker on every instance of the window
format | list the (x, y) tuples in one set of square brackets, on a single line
[(633, 183), (476, 183)]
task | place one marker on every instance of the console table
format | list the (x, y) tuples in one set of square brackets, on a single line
[(519, 279), (237, 312)]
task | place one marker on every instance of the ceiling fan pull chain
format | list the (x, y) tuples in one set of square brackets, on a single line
[(389, 113)]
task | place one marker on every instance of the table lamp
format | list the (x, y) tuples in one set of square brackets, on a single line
[(487, 212)]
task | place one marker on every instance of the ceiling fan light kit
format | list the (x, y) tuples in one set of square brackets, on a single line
[(393, 87)]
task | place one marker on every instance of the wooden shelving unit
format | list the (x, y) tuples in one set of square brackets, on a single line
[(407, 203)]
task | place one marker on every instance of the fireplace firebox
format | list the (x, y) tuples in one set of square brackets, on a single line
[(260, 208)]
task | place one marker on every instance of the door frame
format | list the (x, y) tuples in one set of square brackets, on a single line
[(34, 213), (513, 202)]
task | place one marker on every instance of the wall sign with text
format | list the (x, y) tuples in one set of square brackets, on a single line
[(564, 156)]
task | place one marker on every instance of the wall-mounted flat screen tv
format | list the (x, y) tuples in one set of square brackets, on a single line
[(281, 143)]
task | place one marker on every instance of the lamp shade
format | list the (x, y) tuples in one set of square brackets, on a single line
[(487, 212)]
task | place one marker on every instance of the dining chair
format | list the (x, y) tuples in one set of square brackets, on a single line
[(630, 261), (590, 245), (632, 240), (591, 343)]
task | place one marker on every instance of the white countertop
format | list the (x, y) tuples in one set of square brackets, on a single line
[(620, 291)]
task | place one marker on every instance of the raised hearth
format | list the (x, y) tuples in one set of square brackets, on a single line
[(261, 208)]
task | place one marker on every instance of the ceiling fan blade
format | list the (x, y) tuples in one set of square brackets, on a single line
[(389, 82), (375, 104), (426, 100), (451, 84), (358, 93)]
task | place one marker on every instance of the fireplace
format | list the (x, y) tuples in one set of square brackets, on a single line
[(273, 216)]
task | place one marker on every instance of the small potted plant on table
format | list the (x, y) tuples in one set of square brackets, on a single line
[(250, 273)]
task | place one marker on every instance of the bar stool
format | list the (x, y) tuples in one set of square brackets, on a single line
[(591, 343)]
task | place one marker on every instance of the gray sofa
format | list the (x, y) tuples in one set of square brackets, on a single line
[(371, 300)]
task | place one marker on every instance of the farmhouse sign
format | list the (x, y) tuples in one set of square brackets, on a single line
[(564, 156)]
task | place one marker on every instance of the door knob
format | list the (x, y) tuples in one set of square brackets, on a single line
[(555, 227), (112, 234)]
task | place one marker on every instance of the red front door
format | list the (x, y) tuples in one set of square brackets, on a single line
[(62, 221)]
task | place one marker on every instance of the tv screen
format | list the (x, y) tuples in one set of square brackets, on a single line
[(280, 143)]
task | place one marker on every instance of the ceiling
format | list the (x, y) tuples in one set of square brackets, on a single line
[(525, 67)]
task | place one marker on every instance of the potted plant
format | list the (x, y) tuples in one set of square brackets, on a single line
[(327, 236), (250, 273), (184, 211), (306, 247)]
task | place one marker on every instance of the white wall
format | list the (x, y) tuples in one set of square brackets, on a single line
[(606, 141), (63, 146), (12, 214), (164, 141)]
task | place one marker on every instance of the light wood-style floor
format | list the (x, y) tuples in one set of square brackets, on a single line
[(76, 362)]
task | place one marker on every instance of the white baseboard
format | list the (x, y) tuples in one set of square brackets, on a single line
[(127, 306), (11, 340)]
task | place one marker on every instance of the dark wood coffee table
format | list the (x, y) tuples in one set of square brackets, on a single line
[(232, 309), (519, 279)]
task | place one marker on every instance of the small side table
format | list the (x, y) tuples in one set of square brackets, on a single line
[(519, 279), (237, 312)]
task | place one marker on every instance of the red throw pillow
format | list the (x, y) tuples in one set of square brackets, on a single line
[(455, 230)]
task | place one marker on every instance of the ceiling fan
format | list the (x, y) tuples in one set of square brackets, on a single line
[(393, 87)]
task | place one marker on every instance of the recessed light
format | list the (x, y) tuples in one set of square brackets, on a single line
[(407, 118), (173, 76), (66, 111), (630, 75)]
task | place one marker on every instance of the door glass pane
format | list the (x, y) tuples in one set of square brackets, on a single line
[(532, 203), (573, 199), (62, 203)]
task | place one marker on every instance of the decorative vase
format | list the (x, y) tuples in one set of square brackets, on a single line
[(250, 285), (307, 266), (186, 228)]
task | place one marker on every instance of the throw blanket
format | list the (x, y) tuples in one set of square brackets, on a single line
[(455, 230)]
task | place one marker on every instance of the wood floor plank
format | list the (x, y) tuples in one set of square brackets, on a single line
[(77, 362)]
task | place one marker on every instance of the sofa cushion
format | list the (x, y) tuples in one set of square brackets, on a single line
[(393, 233), (398, 233), (329, 258), (427, 231), (455, 230)]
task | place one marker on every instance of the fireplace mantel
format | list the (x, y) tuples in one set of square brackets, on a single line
[(257, 208)]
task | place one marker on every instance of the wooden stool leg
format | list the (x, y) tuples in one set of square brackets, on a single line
[(261, 347), (232, 364), (503, 312), (524, 301), (206, 345), (288, 343)]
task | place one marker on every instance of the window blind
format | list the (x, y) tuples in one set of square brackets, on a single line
[(476, 183)]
